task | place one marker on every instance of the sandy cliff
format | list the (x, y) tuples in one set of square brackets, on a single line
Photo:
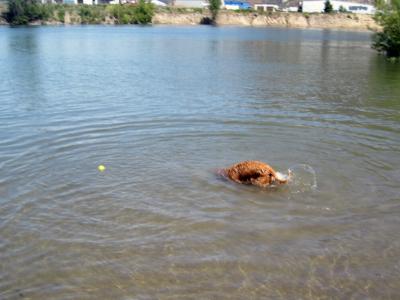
[(292, 20), (178, 18), (346, 21)]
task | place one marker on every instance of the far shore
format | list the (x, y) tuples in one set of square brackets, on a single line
[(344, 21), (180, 16)]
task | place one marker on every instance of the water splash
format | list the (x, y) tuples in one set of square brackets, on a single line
[(303, 178)]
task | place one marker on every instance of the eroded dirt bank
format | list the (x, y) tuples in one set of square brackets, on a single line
[(292, 20)]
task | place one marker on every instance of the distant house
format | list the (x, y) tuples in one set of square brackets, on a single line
[(50, 1), (234, 5), (267, 5), (312, 6), (87, 2), (155, 2), (292, 5), (191, 3)]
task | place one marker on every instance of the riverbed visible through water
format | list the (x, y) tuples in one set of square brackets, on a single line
[(162, 108)]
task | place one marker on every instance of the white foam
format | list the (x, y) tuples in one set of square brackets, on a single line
[(281, 177), (303, 177)]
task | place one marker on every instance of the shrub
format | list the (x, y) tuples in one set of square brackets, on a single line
[(328, 7), (300, 8), (24, 11), (342, 9), (214, 7), (244, 11), (198, 10), (91, 14), (388, 40), (61, 13), (142, 13), (17, 12)]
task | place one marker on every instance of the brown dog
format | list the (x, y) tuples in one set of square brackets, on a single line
[(255, 173)]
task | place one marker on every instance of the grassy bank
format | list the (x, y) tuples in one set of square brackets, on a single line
[(21, 12)]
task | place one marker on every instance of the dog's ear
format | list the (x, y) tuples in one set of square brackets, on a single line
[(271, 178)]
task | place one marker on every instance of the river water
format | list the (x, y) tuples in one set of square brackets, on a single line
[(162, 108)]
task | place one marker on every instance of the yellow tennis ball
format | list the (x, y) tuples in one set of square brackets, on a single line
[(101, 168)]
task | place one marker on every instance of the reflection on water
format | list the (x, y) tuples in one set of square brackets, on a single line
[(164, 107)]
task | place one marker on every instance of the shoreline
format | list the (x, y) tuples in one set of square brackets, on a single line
[(345, 21), (337, 21)]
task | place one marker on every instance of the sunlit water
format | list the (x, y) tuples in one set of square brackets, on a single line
[(163, 108)]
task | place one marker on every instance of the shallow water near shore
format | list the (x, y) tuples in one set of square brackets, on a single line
[(163, 108)]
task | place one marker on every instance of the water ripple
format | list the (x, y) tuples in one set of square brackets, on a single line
[(162, 113)]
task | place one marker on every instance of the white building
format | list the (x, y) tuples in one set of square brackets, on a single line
[(191, 3), (158, 3), (266, 7), (95, 2), (230, 6), (312, 6), (292, 9)]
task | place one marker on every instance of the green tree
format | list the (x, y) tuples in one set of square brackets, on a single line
[(328, 7), (214, 7), (91, 14), (300, 8), (388, 40), (24, 11), (17, 12), (142, 13)]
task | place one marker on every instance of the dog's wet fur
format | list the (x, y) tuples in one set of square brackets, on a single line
[(255, 173)]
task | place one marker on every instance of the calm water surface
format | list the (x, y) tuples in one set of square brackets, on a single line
[(162, 108)]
